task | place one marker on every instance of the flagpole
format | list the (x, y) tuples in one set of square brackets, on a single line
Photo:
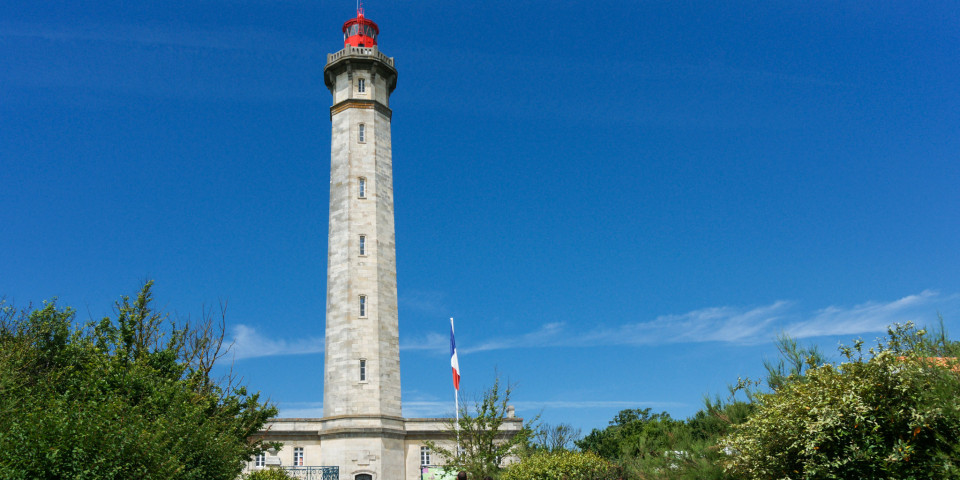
[(456, 386)]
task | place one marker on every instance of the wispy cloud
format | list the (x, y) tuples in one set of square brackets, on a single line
[(715, 324), (249, 343), (728, 324), (551, 334), (870, 316)]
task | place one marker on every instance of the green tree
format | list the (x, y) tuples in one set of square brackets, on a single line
[(633, 433), (561, 465), (554, 438), (128, 397), (647, 445), (485, 435), (888, 413)]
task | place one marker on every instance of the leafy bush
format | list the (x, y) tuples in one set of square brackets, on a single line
[(890, 414), (122, 398), (561, 465), (269, 474)]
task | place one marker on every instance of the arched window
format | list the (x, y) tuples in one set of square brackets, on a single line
[(363, 476), (362, 187), (362, 133)]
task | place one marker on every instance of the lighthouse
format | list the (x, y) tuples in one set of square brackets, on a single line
[(362, 434), (363, 427)]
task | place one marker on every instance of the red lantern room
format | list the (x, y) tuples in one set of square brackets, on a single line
[(360, 31)]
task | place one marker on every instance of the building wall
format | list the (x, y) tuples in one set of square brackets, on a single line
[(394, 456)]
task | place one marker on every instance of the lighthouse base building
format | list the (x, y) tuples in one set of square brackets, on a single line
[(363, 435)]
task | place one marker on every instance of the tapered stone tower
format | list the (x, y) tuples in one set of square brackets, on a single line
[(362, 435), (363, 429)]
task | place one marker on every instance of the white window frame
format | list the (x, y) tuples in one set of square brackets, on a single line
[(424, 456), (362, 187), (260, 460), (363, 306), (363, 370), (363, 245), (297, 456), (362, 133)]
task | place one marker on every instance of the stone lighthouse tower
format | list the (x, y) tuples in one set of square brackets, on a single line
[(362, 435), (363, 431)]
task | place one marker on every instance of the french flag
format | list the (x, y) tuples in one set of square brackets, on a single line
[(453, 360)]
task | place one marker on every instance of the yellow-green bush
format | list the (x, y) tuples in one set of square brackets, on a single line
[(562, 465)]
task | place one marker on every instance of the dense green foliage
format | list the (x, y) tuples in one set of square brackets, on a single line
[(483, 440), (269, 474), (561, 465), (122, 398), (890, 414), (646, 445)]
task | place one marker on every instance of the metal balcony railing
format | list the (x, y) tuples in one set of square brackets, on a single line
[(314, 473)]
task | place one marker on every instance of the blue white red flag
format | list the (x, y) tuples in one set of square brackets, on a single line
[(453, 360)]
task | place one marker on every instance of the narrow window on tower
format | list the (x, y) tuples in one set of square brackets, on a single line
[(362, 133), (361, 85), (362, 187), (298, 456), (363, 245), (363, 370), (363, 306)]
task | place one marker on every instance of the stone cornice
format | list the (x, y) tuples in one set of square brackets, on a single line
[(362, 104), (359, 432)]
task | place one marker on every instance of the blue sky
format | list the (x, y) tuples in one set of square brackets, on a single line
[(622, 204)]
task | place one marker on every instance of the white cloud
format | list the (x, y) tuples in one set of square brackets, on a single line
[(868, 317), (726, 324), (715, 324), (248, 343), (550, 334), (739, 325)]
